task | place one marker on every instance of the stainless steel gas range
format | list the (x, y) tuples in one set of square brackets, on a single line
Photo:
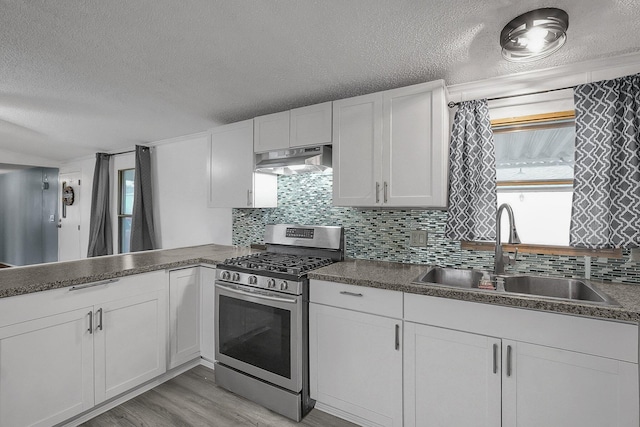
[(262, 318)]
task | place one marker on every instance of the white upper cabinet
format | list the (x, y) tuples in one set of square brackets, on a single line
[(311, 125), (233, 183), (390, 148), (357, 148), (271, 132), (300, 127)]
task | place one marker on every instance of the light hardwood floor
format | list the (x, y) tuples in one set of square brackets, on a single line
[(194, 399)]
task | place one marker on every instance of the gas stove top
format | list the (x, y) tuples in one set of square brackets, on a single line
[(279, 263), (292, 251)]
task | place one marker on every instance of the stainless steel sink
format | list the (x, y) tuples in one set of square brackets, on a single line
[(455, 277), (555, 287), (545, 287)]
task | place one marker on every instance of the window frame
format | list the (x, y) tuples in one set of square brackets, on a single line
[(120, 214), (510, 124)]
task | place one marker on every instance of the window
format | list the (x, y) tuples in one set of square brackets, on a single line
[(534, 170), (126, 178)]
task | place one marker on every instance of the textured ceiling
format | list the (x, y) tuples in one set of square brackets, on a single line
[(82, 76)]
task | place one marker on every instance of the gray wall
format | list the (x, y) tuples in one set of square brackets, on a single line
[(27, 236)]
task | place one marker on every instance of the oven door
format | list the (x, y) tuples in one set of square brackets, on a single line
[(259, 332)]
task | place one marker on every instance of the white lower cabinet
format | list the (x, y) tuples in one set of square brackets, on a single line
[(543, 386), (544, 369), (184, 315), (207, 310), (130, 342), (451, 378), (66, 350), (46, 369), (355, 357)]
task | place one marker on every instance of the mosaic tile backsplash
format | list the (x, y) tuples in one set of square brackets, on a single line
[(383, 234)]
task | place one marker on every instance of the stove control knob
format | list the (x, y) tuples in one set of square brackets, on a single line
[(271, 283), (236, 277), (284, 285), (226, 275), (253, 280)]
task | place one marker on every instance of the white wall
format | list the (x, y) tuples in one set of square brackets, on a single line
[(180, 188)]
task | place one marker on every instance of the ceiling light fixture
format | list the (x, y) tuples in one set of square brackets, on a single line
[(534, 35)]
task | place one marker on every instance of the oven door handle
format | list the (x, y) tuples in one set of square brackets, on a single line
[(256, 295)]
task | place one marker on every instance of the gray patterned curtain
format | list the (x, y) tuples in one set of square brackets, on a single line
[(472, 175), (142, 230), (606, 184), (100, 237)]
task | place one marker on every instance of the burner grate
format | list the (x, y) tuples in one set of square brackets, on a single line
[(283, 263)]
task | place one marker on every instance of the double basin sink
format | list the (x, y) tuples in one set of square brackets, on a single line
[(577, 290)]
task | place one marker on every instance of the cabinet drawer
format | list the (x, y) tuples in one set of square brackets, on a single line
[(360, 298)]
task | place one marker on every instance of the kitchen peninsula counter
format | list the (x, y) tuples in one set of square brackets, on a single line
[(41, 277), (398, 277)]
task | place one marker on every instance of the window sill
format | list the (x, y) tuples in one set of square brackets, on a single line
[(543, 249)]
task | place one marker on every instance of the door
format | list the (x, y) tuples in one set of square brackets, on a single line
[(271, 132), (260, 333), (46, 369), (545, 386), (415, 141), (69, 219), (356, 364), (130, 343), (311, 125), (357, 151), (184, 316), (451, 378)]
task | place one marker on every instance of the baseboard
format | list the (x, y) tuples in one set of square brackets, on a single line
[(344, 415), (207, 363), (110, 404)]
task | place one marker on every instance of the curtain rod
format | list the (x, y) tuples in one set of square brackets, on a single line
[(455, 104), (122, 152)]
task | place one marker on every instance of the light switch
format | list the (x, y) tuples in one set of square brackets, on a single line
[(418, 239)]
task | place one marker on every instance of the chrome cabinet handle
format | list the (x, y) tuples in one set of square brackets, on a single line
[(377, 192), (508, 360), (248, 197), (397, 337), (91, 285), (495, 358), (385, 191), (353, 294), (90, 330), (100, 317)]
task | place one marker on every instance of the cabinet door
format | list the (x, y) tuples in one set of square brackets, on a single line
[(357, 150), (231, 166), (356, 364), (46, 369), (207, 330), (130, 343), (271, 132), (311, 125), (415, 146), (544, 386), (451, 378), (184, 316)]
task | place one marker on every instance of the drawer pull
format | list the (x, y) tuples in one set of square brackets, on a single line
[(353, 294), (91, 285)]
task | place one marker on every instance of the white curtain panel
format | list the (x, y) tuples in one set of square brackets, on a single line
[(472, 175), (606, 198)]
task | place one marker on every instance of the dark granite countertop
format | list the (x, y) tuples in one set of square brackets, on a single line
[(398, 277), (42, 277)]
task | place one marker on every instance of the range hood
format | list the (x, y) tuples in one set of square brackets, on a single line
[(295, 161)]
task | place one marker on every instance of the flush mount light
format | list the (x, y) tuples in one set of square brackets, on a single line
[(534, 35)]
